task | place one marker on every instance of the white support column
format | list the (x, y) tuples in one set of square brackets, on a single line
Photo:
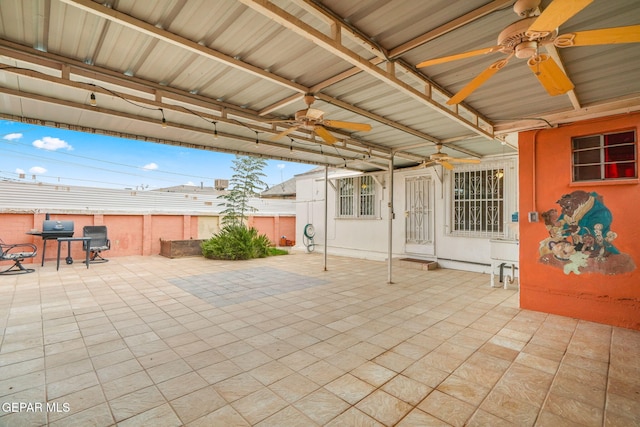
[(391, 218), (326, 210)]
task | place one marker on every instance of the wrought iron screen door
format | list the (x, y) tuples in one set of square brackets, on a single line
[(419, 215)]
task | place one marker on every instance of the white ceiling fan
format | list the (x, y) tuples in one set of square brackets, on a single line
[(313, 120), (523, 39), (440, 158)]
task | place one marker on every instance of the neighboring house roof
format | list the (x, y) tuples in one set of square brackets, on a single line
[(16, 197), (286, 189)]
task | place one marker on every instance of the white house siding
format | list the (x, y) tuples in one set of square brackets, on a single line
[(368, 238)]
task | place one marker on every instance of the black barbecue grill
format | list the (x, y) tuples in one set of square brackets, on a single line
[(51, 230)]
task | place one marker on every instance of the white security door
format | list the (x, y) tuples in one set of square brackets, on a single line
[(419, 216)]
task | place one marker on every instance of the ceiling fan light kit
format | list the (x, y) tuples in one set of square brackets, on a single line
[(524, 38)]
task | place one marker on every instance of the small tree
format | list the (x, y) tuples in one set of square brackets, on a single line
[(245, 183), (235, 241)]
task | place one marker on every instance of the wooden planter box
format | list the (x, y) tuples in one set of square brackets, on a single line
[(180, 248)]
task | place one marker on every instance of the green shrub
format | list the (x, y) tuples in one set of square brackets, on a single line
[(236, 242)]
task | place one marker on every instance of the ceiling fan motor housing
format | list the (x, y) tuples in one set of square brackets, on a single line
[(304, 120), (514, 39)]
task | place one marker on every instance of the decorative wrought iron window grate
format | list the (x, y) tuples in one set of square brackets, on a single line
[(345, 197), (478, 202), (367, 196), (356, 197), (418, 210)]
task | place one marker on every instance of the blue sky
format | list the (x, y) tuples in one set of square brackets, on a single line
[(60, 156)]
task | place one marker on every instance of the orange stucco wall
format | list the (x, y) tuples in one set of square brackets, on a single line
[(132, 234), (545, 176)]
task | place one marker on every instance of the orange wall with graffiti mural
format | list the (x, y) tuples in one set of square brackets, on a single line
[(582, 257)]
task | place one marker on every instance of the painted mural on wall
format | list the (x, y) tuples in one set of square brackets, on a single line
[(580, 237)]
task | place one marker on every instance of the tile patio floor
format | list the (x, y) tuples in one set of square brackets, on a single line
[(278, 342)]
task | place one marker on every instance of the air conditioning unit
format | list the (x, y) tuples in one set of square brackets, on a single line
[(221, 184)]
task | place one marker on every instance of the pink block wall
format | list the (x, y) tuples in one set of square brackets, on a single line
[(275, 227), (129, 234)]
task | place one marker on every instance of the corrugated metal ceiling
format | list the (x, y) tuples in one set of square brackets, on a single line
[(236, 66)]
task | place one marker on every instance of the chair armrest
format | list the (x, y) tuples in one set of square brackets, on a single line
[(17, 247)]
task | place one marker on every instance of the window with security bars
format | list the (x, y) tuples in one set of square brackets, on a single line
[(478, 202), (605, 157), (367, 196), (356, 197), (345, 197)]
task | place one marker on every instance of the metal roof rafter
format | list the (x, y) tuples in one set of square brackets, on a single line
[(176, 40), (335, 46)]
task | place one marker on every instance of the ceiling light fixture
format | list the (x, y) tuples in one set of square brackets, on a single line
[(164, 121), (92, 99), (215, 130)]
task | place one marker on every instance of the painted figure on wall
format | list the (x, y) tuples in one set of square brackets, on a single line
[(580, 237)]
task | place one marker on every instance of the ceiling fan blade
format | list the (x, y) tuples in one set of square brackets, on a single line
[(314, 114), (551, 76), (478, 81), (556, 14), (446, 165), (427, 163), (630, 34), (474, 161), (325, 134), (347, 125), (284, 133), (463, 55)]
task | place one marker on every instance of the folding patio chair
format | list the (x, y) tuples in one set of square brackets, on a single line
[(99, 241), (17, 252)]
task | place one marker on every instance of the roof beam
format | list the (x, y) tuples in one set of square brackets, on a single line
[(623, 105), (366, 113), (335, 46), (339, 157), (449, 26), (112, 15), (176, 40), (156, 95)]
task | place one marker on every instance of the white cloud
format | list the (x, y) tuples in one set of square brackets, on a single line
[(281, 165), (150, 167), (51, 144), (190, 183), (19, 171), (12, 136), (38, 170)]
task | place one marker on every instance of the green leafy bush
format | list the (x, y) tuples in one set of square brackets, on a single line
[(235, 242)]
